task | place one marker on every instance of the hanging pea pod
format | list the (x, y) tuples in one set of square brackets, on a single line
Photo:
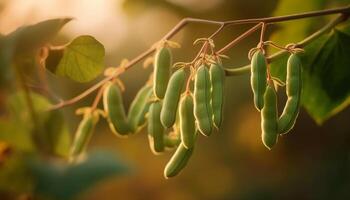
[(187, 122), (178, 161), (217, 78), (202, 97), (293, 90), (162, 65), (155, 128), (269, 116), (114, 108), (172, 97), (83, 134), (258, 78), (139, 108)]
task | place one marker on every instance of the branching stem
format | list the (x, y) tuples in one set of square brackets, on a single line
[(222, 24), (246, 69)]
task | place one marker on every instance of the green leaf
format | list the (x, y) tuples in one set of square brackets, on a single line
[(326, 71), (29, 38), (15, 177), (83, 59), (16, 136), (327, 88), (55, 136), (60, 181), (23, 43), (7, 47)]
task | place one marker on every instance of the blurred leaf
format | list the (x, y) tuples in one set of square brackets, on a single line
[(6, 56), (17, 105), (29, 38), (326, 71), (83, 59), (55, 135), (17, 136), (59, 181), (23, 43), (58, 138), (14, 175), (327, 88)]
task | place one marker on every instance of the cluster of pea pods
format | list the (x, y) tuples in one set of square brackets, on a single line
[(265, 97), (177, 104)]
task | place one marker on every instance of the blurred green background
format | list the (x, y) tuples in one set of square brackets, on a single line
[(311, 162)]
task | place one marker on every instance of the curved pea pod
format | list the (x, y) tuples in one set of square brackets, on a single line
[(114, 108), (187, 122), (293, 90), (162, 65), (83, 134), (178, 161), (258, 78), (217, 78), (172, 97), (155, 128), (139, 107), (269, 118), (202, 97)]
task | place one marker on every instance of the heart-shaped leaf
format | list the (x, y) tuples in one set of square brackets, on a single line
[(82, 60)]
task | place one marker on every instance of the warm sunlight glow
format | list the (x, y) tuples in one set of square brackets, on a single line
[(91, 17)]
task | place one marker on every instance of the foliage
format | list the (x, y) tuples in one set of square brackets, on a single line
[(42, 142), (82, 60), (29, 128), (325, 71), (62, 181)]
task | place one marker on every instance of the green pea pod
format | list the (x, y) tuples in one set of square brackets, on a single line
[(258, 78), (178, 161), (269, 118), (202, 97), (139, 107), (172, 97), (114, 108), (187, 122), (293, 90), (155, 128), (217, 78), (162, 65), (83, 134)]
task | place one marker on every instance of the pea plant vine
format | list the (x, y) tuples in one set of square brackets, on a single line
[(180, 101)]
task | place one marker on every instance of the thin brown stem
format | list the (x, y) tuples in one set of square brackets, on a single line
[(186, 21), (205, 44), (199, 53), (97, 98), (270, 20), (246, 69), (217, 31), (188, 82), (279, 47), (263, 29), (239, 38), (312, 37)]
